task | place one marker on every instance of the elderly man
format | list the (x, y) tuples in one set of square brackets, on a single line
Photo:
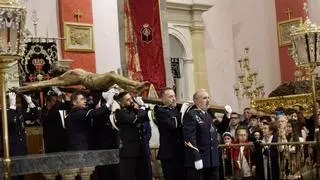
[(200, 136)]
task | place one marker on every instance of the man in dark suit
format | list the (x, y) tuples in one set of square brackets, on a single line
[(16, 130), (79, 123), (134, 164), (201, 140), (53, 115), (104, 135), (171, 150)]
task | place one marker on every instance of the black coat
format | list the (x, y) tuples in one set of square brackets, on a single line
[(79, 127), (53, 131), (201, 138), (130, 123), (104, 136), (171, 135), (17, 135), (272, 154)]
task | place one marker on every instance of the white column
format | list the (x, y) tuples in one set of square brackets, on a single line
[(189, 84)]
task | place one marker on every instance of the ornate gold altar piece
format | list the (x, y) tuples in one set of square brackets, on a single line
[(248, 86), (12, 21), (269, 105)]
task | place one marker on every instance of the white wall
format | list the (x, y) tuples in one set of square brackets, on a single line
[(230, 26), (314, 11), (218, 43), (47, 13), (105, 18), (257, 28)]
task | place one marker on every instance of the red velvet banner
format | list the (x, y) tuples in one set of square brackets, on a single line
[(146, 23)]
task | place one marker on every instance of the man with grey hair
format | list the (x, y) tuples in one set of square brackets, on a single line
[(201, 141)]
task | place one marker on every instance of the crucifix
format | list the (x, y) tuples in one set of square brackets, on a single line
[(288, 12), (78, 15)]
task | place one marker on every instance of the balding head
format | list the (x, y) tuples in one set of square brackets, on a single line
[(201, 99)]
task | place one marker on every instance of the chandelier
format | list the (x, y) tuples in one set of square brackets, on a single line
[(12, 22), (247, 85)]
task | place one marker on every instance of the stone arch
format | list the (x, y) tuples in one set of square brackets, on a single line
[(183, 40)]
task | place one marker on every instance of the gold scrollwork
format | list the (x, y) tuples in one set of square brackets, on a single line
[(268, 105)]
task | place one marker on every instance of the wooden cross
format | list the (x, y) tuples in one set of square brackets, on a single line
[(288, 12), (78, 15)]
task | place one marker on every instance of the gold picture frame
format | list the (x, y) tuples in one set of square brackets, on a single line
[(284, 30), (79, 37)]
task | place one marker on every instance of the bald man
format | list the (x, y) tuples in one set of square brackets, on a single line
[(201, 140)]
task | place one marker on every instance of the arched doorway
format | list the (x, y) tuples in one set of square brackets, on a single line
[(177, 55)]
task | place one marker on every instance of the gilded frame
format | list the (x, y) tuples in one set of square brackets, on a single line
[(284, 30), (268, 105), (79, 37)]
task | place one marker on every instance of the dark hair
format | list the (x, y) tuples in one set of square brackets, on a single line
[(254, 117), (242, 127), (290, 111), (272, 127), (267, 118), (75, 95), (163, 91), (235, 113), (120, 95), (246, 109)]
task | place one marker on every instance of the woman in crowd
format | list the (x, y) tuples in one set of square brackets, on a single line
[(268, 155)]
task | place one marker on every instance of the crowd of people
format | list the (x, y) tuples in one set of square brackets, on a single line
[(190, 135)]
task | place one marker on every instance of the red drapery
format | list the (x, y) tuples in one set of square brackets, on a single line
[(146, 23), (131, 51)]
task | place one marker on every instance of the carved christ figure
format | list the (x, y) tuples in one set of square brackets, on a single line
[(90, 80)]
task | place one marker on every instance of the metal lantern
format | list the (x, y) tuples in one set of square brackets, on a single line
[(12, 22), (306, 53), (306, 44)]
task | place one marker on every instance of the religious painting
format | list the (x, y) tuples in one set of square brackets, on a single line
[(284, 27), (79, 37)]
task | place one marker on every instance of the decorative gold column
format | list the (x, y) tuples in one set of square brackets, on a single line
[(5, 133)]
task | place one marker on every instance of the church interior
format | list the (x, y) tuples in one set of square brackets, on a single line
[(258, 61)]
